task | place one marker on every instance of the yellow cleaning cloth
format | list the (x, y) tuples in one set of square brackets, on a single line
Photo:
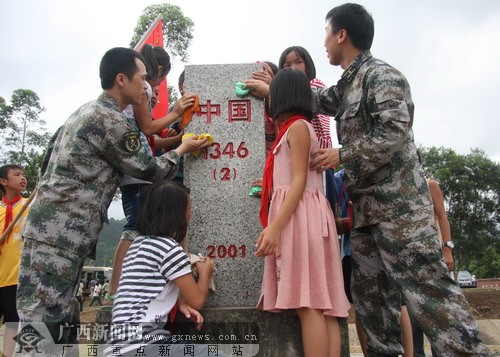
[(201, 136)]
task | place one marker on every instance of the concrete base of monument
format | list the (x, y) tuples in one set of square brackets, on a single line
[(258, 333)]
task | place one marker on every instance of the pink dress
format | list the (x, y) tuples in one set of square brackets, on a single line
[(306, 270)]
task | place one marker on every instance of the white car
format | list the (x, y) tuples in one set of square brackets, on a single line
[(466, 280)]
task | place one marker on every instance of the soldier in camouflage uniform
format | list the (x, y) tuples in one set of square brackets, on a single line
[(395, 250), (89, 156)]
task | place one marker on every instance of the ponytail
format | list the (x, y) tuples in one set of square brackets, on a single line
[(155, 56)]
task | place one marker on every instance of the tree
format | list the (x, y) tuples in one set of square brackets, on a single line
[(471, 189), (5, 113), (107, 242), (25, 136), (177, 28), (172, 95)]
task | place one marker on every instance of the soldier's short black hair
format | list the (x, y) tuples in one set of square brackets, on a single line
[(154, 57), (115, 61), (290, 93), (4, 173), (356, 21), (162, 210), (304, 55)]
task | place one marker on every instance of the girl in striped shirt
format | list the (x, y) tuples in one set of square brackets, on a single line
[(297, 57), (155, 270)]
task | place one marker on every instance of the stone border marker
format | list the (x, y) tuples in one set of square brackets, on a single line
[(225, 219), (225, 222)]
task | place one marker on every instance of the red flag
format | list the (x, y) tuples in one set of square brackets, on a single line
[(154, 36)]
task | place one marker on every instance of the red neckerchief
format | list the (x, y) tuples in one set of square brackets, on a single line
[(267, 181), (171, 316), (8, 213)]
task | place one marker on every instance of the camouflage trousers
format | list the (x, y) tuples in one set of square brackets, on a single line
[(402, 258), (47, 307)]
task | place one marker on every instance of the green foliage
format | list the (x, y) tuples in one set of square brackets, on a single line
[(24, 127), (5, 113), (24, 133), (491, 255), (106, 245), (177, 28), (172, 95), (471, 190)]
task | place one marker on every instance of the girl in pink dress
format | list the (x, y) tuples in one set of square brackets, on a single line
[(302, 269)]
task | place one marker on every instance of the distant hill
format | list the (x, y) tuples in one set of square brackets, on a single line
[(106, 245)]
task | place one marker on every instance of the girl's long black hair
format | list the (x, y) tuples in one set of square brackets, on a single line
[(162, 211)]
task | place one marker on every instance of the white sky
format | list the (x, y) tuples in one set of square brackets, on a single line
[(447, 49)]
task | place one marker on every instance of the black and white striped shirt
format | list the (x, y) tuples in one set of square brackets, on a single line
[(146, 293)]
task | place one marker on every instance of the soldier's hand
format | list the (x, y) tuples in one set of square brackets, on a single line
[(448, 259), (191, 144), (324, 159)]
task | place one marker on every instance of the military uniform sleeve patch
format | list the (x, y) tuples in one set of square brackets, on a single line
[(132, 141)]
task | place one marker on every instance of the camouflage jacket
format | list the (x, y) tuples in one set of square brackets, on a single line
[(89, 155), (373, 111)]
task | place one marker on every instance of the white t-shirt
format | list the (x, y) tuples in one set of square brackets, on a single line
[(97, 290), (129, 112)]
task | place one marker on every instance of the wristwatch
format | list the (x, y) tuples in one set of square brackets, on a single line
[(448, 244)]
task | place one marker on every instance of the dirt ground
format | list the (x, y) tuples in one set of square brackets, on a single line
[(485, 304)]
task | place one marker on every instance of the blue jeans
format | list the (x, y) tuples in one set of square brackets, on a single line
[(130, 204)]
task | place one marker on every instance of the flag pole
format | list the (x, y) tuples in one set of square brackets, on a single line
[(147, 33)]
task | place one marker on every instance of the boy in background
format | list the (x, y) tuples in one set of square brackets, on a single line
[(12, 183)]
